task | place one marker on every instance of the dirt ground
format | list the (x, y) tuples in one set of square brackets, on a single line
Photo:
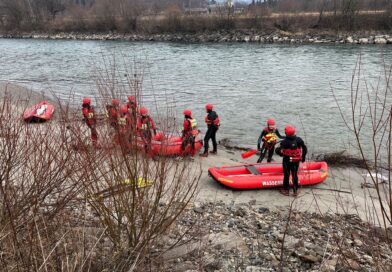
[(340, 193)]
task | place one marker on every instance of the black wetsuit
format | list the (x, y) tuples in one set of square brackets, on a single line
[(267, 147), (291, 164), (211, 131)]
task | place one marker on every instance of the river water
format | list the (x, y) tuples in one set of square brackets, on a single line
[(247, 83)]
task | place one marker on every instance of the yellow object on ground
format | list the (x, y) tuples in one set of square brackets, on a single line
[(141, 182)]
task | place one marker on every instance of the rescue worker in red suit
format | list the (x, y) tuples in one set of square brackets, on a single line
[(132, 107), (268, 137), (213, 123), (89, 118), (146, 127), (112, 112), (189, 132), (293, 150), (124, 128)]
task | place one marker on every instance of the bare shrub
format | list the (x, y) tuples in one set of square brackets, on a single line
[(172, 22), (67, 206), (36, 185)]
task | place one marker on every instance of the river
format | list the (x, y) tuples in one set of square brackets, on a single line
[(247, 83)]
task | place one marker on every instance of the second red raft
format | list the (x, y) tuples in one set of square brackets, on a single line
[(170, 146), (266, 175), (39, 113)]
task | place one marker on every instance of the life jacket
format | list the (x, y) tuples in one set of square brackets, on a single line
[(192, 127), (89, 115), (146, 123), (294, 154), (215, 122), (270, 138), (193, 122), (122, 121)]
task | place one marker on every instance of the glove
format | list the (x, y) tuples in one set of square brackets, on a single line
[(303, 160)]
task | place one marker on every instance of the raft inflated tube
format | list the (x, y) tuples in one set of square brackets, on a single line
[(267, 175)]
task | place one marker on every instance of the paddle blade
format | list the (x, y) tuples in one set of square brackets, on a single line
[(248, 154)]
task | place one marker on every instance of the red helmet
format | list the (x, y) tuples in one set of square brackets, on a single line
[(86, 100), (115, 102), (124, 109), (187, 112), (209, 106), (289, 130), (131, 98), (271, 122), (143, 111)]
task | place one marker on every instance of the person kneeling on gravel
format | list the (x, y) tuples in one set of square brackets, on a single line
[(293, 150)]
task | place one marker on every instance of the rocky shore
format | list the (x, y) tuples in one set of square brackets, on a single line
[(222, 36), (249, 238)]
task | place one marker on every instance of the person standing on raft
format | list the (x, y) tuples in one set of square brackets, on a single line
[(89, 118), (269, 137), (146, 128), (189, 132), (293, 150), (213, 123)]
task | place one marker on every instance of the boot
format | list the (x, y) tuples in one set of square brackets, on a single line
[(214, 152), (284, 192), (295, 193), (205, 154)]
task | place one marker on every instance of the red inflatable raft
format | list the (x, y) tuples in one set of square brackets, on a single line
[(169, 146), (267, 175), (39, 113)]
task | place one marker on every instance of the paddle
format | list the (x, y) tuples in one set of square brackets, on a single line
[(249, 153)]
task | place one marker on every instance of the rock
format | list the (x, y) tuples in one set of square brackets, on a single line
[(255, 269), (329, 265), (252, 202), (354, 265), (198, 210), (290, 242), (241, 212), (310, 258), (389, 41), (211, 264), (380, 41), (184, 266), (368, 259), (263, 210), (363, 40), (349, 39), (358, 242)]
